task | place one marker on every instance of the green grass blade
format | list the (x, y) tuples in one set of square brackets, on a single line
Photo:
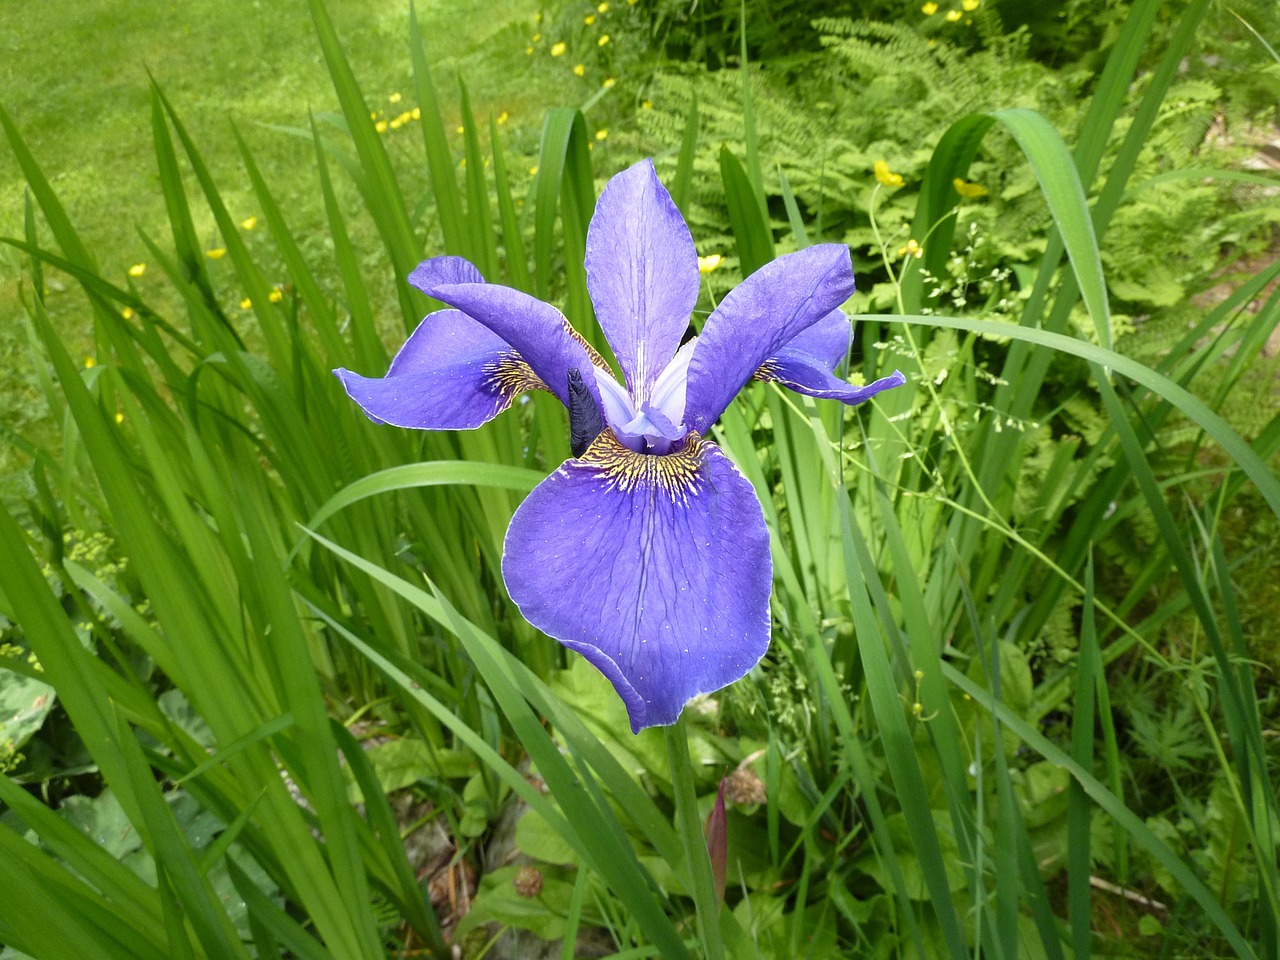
[(444, 184), (750, 225), (512, 238), (1079, 848), (1060, 184), (684, 164)]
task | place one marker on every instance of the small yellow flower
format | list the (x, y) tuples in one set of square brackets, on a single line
[(529, 50), (394, 98), (912, 249), (608, 82), (929, 9), (533, 171), (119, 418), (90, 363), (632, 3), (397, 123), (603, 8), (603, 40), (646, 104), (536, 37), (276, 295), (589, 19), (707, 264), (970, 191), (137, 270), (953, 16), (217, 253), (249, 222), (970, 5), (886, 176), (461, 129), (381, 126), (602, 134), (373, 115), (127, 313), (416, 113), (558, 49), (246, 303), (579, 70)]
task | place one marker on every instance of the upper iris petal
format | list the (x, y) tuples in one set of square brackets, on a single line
[(642, 273), (757, 319)]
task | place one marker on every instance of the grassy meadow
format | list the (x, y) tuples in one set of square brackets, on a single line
[(263, 689)]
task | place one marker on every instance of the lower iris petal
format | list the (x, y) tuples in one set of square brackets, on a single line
[(655, 568)]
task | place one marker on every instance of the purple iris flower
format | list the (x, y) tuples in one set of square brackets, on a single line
[(647, 553)]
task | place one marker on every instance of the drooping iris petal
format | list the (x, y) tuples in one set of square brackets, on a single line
[(654, 568), (451, 374), (827, 341), (757, 319), (799, 372), (536, 330), (642, 273), (807, 362)]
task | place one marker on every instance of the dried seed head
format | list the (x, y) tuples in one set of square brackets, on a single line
[(744, 788), (528, 882)]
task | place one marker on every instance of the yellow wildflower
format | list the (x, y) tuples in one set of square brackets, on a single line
[(929, 9), (119, 418), (90, 363), (589, 19), (558, 49), (502, 117), (276, 295), (602, 134), (970, 191), (970, 5), (137, 270), (381, 126), (707, 264), (533, 171), (608, 82), (461, 129), (127, 313), (396, 123), (579, 70), (603, 8), (373, 115), (646, 104), (394, 98), (886, 176), (529, 50), (246, 303), (536, 37), (249, 222), (953, 16), (912, 249), (217, 253), (416, 113), (603, 40)]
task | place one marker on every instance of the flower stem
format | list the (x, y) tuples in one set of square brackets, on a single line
[(689, 824)]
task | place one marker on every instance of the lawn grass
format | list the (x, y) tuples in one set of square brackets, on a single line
[(74, 77)]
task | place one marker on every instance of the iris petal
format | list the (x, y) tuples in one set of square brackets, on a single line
[(536, 330), (451, 374), (654, 568), (806, 363), (757, 319), (642, 273)]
